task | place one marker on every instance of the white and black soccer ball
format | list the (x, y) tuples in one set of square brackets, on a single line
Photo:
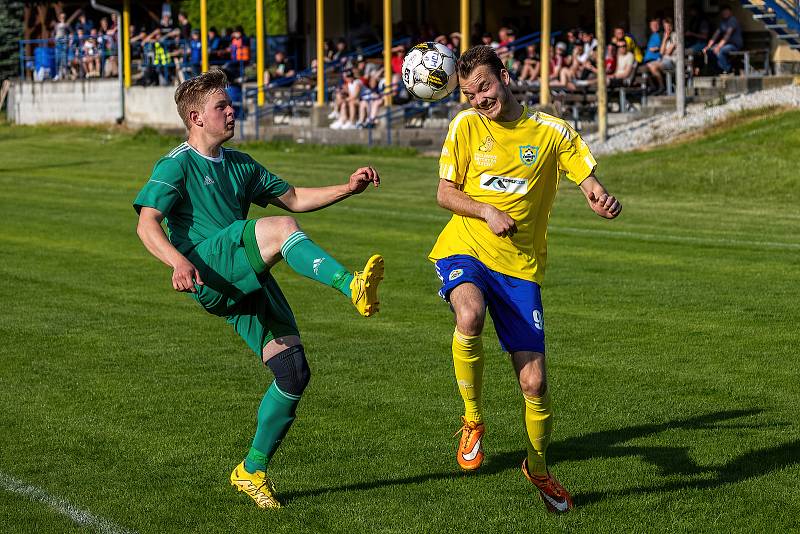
[(429, 71)]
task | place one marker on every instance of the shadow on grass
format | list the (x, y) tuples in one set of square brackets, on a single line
[(610, 444)]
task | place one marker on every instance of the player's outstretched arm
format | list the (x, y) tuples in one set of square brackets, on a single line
[(303, 199), (599, 200), (450, 197), (184, 273)]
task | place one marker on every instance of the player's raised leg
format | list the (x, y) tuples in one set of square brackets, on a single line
[(470, 310), (269, 239), (532, 375)]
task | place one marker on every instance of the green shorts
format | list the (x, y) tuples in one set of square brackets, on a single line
[(252, 303)]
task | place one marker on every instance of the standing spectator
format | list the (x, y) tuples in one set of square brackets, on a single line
[(62, 32), (652, 56), (195, 54), (166, 10), (83, 23), (184, 27), (107, 43), (216, 51), (726, 39)]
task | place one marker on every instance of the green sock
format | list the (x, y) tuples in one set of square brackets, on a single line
[(275, 415), (306, 258)]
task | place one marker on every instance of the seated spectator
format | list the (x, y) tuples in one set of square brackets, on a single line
[(621, 36), (558, 60), (669, 46), (91, 57), (589, 44), (340, 54), (347, 99), (697, 30), (455, 43), (371, 100), (531, 65), (488, 40), (572, 38), (625, 65), (726, 39), (611, 58), (652, 55), (280, 69)]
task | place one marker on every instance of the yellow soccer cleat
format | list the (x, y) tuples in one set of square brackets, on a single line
[(364, 287), (256, 485)]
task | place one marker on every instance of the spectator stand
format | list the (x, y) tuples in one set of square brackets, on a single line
[(62, 58)]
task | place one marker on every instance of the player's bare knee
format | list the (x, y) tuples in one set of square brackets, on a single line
[(469, 320), (533, 384), (278, 228)]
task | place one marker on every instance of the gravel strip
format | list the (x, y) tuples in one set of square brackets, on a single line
[(664, 128)]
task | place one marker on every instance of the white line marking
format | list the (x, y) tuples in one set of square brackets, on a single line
[(81, 517), (443, 217)]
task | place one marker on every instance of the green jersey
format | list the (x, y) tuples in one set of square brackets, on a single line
[(200, 195)]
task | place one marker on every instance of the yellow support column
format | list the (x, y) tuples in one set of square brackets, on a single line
[(204, 34), (320, 53), (126, 41), (260, 50), (465, 31), (544, 73), (600, 32), (387, 50)]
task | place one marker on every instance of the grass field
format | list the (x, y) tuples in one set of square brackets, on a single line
[(672, 337)]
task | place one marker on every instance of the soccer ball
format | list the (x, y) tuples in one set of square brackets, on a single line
[(429, 71)]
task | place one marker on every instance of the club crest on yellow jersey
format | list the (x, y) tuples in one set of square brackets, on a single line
[(528, 154)]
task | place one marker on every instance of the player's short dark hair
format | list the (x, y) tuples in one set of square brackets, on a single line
[(477, 56), (192, 94)]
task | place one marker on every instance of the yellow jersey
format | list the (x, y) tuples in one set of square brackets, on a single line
[(516, 167)]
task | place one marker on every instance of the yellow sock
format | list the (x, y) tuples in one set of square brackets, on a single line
[(468, 363), (539, 426)]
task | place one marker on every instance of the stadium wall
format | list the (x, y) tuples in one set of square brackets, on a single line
[(89, 101), (93, 102)]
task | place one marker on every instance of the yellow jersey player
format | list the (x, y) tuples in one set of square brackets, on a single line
[(499, 172)]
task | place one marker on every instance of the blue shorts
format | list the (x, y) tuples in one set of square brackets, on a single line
[(515, 305)]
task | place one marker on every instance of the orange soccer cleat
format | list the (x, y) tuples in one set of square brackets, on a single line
[(470, 447), (555, 497)]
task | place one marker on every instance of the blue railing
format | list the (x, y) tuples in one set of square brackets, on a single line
[(787, 10)]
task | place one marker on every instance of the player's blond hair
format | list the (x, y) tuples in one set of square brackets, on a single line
[(193, 94)]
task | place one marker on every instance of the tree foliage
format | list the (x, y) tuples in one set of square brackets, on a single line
[(11, 12), (231, 13)]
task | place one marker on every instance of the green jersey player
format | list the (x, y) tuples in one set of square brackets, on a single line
[(222, 258)]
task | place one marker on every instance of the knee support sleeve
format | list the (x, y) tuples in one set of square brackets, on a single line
[(291, 370)]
